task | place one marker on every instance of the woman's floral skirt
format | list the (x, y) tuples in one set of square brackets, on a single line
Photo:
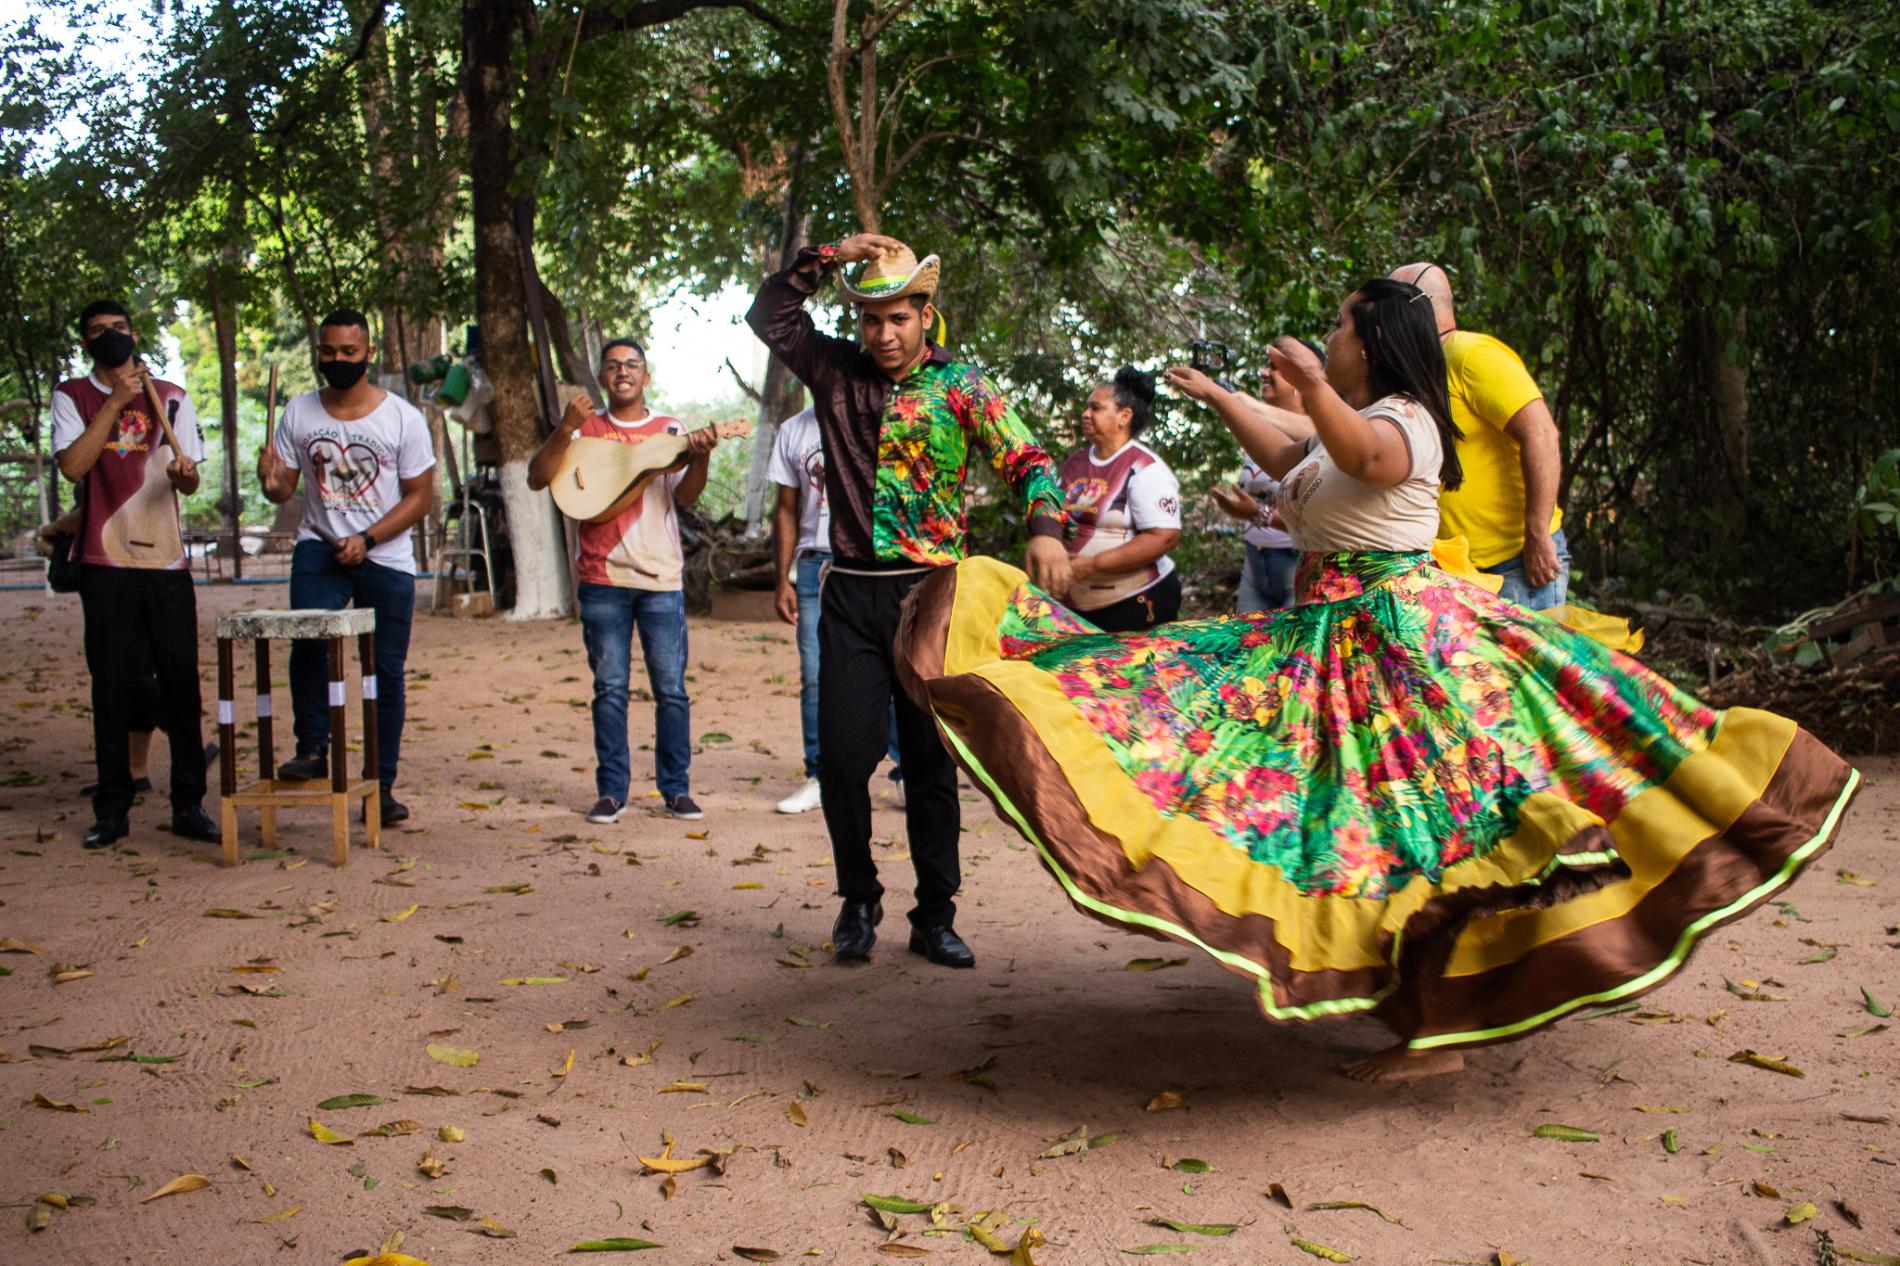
[(1405, 796)]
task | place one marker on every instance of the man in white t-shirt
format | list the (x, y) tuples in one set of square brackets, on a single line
[(801, 543), (369, 462)]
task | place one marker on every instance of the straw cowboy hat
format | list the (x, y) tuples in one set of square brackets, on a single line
[(893, 275)]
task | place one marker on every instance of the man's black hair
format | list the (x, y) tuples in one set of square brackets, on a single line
[(612, 343), (101, 307), (346, 316)]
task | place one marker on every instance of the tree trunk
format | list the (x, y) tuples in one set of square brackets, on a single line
[(1731, 428), (781, 395), (224, 321), (534, 530)]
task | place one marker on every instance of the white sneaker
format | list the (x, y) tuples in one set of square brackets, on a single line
[(804, 800)]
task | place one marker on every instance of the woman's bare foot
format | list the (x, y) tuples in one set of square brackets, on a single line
[(1401, 1063)]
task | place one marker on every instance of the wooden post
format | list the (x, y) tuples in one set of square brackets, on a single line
[(227, 753), (266, 745), (339, 755), (372, 772)]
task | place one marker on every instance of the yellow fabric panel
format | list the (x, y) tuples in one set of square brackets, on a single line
[(1610, 630), (1452, 555), (1707, 792), (1489, 384)]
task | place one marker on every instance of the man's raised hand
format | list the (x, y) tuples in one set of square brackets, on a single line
[(862, 246)]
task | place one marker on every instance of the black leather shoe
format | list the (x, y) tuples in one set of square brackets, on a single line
[(195, 824), (394, 810), (105, 831), (942, 946), (309, 765), (855, 932)]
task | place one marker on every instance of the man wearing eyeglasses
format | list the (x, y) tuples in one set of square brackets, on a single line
[(630, 571)]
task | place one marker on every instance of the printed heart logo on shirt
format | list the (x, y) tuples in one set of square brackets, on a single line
[(344, 472)]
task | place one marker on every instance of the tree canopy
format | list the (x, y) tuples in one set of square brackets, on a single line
[(1682, 217)]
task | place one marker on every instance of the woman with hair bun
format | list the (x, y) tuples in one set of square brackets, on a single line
[(1403, 797), (1123, 512)]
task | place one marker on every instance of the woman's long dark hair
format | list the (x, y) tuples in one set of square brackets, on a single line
[(1394, 320)]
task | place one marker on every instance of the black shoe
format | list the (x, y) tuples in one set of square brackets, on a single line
[(195, 824), (855, 932), (942, 946), (105, 831), (310, 765), (394, 810), (139, 785)]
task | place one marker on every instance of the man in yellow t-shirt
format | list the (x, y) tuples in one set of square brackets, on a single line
[(1507, 506)]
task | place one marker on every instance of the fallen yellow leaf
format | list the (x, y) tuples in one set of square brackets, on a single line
[(179, 1185), (324, 1134), (674, 1164), (403, 913)]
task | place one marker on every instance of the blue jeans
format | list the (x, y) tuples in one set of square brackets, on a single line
[(318, 580), (1266, 579), (1518, 589), (810, 571), (608, 617)]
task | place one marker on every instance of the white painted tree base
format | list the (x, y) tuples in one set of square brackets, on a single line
[(534, 529)]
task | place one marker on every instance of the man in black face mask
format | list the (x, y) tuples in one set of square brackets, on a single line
[(134, 582), (370, 466)]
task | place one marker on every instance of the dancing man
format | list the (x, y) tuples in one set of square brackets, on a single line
[(899, 417), (370, 464)]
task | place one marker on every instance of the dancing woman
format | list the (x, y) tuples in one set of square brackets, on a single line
[(1403, 796)]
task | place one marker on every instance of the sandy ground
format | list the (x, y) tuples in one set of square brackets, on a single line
[(826, 1082)]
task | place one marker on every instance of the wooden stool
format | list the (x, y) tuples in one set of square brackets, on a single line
[(270, 793)]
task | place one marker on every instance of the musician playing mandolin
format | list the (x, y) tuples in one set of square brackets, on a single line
[(630, 568), (369, 468), (134, 584)]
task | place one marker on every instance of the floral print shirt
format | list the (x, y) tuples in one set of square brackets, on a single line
[(897, 453)]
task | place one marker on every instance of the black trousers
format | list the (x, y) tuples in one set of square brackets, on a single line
[(856, 680), (1157, 604), (135, 618)]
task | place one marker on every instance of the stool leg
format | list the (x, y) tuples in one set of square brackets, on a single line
[(339, 756), (266, 735), (227, 759), (227, 718), (372, 764), (266, 743)]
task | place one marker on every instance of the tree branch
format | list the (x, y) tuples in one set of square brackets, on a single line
[(744, 386)]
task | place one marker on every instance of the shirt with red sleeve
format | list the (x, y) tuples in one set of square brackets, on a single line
[(639, 548), (128, 507)]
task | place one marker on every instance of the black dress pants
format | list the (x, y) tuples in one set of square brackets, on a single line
[(857, 678), (140, 618)]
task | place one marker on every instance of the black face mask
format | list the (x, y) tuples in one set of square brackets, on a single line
[(343, 374), (109, 349)]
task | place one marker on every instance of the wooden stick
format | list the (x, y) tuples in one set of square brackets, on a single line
[(270, 405), (158, 411)]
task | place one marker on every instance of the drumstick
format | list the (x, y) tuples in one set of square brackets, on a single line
[(270, 405), (158, 411)]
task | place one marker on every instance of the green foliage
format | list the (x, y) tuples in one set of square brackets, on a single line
[(1682, 216)]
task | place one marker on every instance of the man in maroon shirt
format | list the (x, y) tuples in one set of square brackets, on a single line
[(134, 584)]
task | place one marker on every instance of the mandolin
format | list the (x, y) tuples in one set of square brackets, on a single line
[(599, 478)]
